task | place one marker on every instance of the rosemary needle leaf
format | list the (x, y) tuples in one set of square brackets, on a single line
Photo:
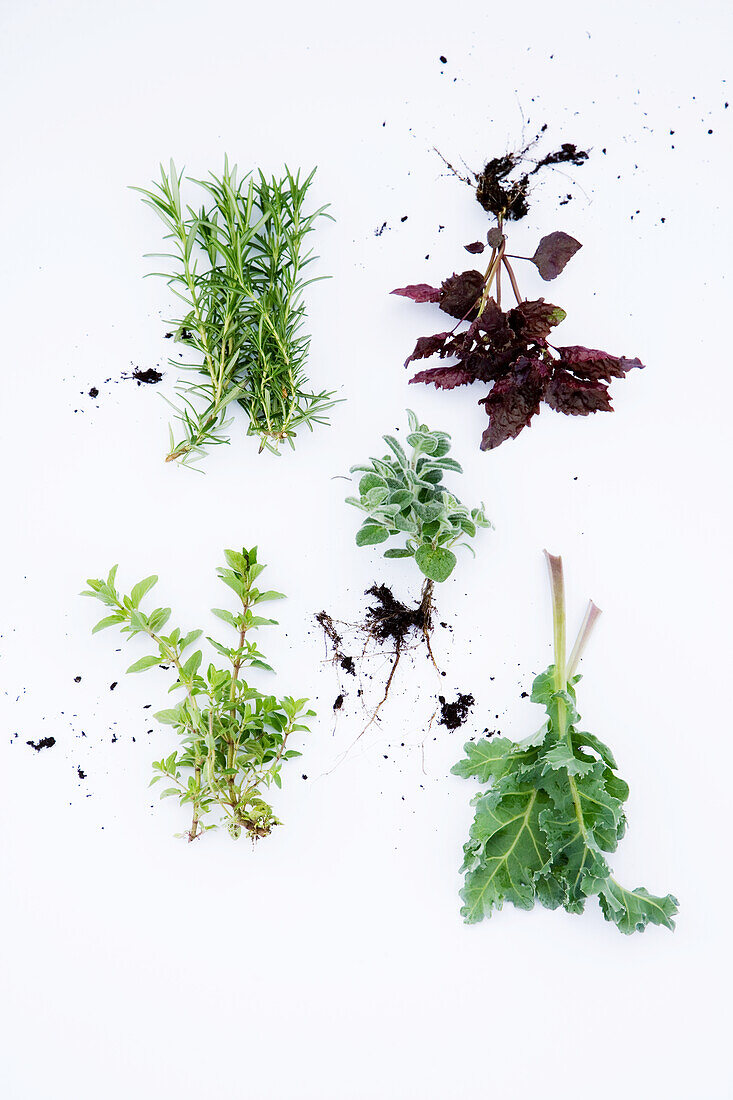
[(237, 263)]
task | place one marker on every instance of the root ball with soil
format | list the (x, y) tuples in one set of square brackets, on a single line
[(403, 498)]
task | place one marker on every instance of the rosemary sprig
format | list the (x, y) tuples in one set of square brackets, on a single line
[(237, 264)]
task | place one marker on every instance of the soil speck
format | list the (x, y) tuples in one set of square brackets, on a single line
[(44, 743)]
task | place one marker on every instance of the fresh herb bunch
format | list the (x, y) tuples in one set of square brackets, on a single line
[(237, 265), (234, 738), (403, 497), (554, 809), (510, 348)]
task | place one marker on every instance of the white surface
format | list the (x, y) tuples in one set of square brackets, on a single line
[(331, 963)]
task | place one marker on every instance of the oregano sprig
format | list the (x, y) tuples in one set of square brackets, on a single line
[(554, 808), (403, 497), (237, 264), (233, 738)]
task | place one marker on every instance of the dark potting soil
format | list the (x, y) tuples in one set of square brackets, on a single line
[(390, 618), (503, 184), (43, 743), (453, 715), (149, 377)]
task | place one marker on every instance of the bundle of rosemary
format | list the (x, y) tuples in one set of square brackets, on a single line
[(237, 263)]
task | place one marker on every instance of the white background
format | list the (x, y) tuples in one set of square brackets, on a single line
[(331, 962)]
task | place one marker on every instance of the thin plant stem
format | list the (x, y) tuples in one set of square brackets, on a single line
[(592, 614), (513, 280)]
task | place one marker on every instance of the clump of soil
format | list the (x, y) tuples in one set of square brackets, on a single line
[(390, 618), (149, 377), (453, 715), (503, 184), (497, 194), (386, 620), (43, 743)]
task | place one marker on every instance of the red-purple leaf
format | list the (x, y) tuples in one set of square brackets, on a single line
[(553, 252), (459, 294), (513, 401), (475, 248), (446, 378), (419, 292), (536, 319), (427, 346), (575, 396), (593, 364)]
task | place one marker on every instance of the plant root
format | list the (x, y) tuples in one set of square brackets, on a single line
[(387, 619)]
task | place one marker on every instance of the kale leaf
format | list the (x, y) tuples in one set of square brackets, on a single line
[(553, 810)]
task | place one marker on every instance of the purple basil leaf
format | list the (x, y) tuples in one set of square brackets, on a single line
[(459, 294), (427, 346), (594, 364), (475, 248), (533, 321), (419, 292), (577, 397), (487, 368), (497, 326), (553, 252), (446, 378), (513, 401)]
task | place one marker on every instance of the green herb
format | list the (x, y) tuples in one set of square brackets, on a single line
[(403, 498), (237, 264), (554, 809), (233, 737)]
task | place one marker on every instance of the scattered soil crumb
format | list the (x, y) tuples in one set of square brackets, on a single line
[(149, 377), (44, 743), (380, 231), (453, 715), (338, 702), (77, 679), (81, 773), (94, 392), (113, 685)]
